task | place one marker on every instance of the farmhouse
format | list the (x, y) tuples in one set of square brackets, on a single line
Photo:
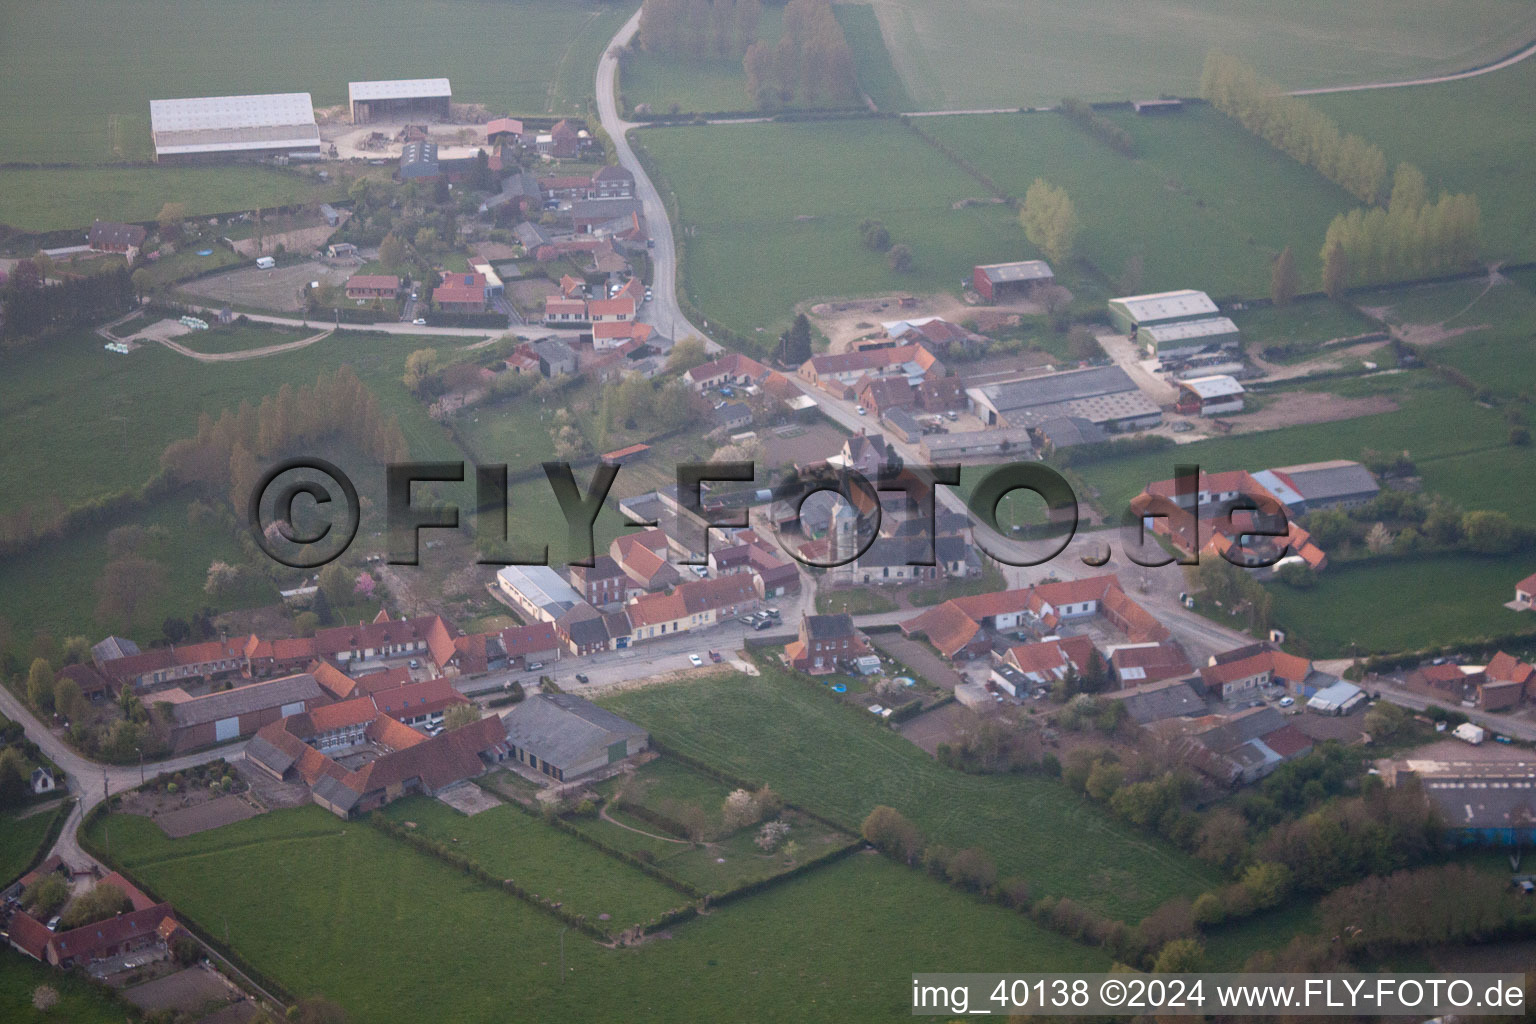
[(997, 281), (109, 236), (149, 926), (230, 714), (1104, 395), (1136, 664), (1128, 313), (373, 286), (1184, 339), (566, 736), (1029, 666), (504, 131), (934, 333), (210, 128), (840, 371), (357, 648), (1235, 749), (394, 100), (1209, 396), (823, 641), (537, 592), (402, 760), (603, 583), (163, 666)]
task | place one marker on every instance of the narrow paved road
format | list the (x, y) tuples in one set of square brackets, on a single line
[(664, 312), (90, 781), (1455, 76)]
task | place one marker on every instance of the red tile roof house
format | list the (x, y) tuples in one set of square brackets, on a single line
[(603, 582), (1048, 662), (381, 640), (460, 293), (373, 286), (558, 310), (1525, 593), (823, 641), (1505, 670), (1241, 678), (643, 558), (565, 140), (524, 644), (1153, 662)]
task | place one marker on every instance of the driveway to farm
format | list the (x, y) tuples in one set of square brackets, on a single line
[(82, 774), (665, 313)]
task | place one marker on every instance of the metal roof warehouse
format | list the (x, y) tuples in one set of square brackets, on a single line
[(273, 123)]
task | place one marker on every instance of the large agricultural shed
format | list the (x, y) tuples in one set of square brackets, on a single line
[(1104, 395), (372, 101), (1130, 312), (208, 128)]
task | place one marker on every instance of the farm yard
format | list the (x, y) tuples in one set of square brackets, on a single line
[(976, 54), (313, 901), (831, 759), (523, 56)]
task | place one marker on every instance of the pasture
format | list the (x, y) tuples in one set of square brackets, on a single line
[(513, 844), (522, 56), (974, 53), (55, 198), (839, 762), (1204, 203), (694, 86), (871, 60), (83, 422), (1475, 135), (751, 253), (313, 901), (19, 839), (1400, 604)]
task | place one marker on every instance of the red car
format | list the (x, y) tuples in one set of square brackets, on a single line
[(714, 656)]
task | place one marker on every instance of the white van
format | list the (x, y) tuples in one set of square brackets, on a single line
[(266, 262)]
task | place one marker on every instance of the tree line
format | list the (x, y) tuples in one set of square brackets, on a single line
[(1294, 127), (1410, 237), (228, 452), (699, 29), (1082, 114), (810, 65), (31, 308)]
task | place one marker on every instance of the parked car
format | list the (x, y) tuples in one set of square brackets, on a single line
[(581, 677), (534, 666), (748, 620), (696, 660), (952, 415), (415, 663), (1286, 702), (772, 613), (53, 923), (861, 410), (420, 321), (650, 243), (714, 656), (762, 624)]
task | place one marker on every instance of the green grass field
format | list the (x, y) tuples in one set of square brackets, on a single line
[(695, 86), (1475, 135), (751, 252), (19, 840), (513, 844), (973, 53), (325, 906), (1492, 330), (1401, 605), (872, 61), (50, 586), (83, 422), (67, 197), (525, 56), (1205, 204), (834, 760), (243, 337), (80, 1002)]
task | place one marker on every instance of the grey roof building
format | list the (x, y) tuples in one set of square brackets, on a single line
[(1104, 395), (1338, 483), (556, 358), (566, 736), (1069, 431), (531, 235), (112, 648), (1171, 698), (288, 692)]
